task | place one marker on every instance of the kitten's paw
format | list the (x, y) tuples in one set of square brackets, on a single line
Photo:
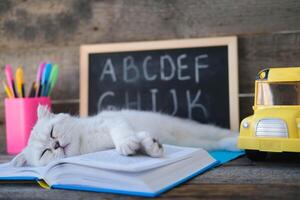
[(150, 145), (128, 147)]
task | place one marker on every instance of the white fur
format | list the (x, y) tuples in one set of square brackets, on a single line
[(128, 131)]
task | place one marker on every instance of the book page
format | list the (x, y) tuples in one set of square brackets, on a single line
[(9, 172), (112, 160)]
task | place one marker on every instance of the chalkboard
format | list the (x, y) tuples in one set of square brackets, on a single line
[(191, 78)]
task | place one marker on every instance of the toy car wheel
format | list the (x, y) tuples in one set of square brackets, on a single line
[(256, 155)]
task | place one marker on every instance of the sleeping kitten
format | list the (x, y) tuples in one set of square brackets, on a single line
[(57, 136)]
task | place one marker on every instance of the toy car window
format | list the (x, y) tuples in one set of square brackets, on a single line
[(287, 93)]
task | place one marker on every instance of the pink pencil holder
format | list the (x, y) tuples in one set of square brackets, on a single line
[(20, 117)]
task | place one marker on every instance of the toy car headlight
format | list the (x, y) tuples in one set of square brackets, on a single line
[(245, 124)]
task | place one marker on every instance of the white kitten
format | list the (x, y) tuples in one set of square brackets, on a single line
[(57, 136)]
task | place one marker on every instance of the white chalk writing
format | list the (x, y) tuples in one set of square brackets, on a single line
[(175, 104), (108, 69), (129, 65), (151, 80), (133, 104), (153, 97), (199, 65), (163, 60), (192, 104), (182, 67), (102, 97), (145, 69)]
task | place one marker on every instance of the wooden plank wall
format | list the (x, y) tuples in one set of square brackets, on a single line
[(32, 30)]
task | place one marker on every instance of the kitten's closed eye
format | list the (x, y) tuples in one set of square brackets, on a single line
[(51, 133), (44, 152)]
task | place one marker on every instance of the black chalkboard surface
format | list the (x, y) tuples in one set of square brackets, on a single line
[(181, 78)]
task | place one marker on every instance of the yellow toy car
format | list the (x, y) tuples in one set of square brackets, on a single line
[(275, 124)]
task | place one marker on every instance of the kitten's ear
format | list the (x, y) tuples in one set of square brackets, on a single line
[(43, 111), (19, 160)]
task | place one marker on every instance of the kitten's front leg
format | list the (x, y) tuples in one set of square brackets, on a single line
[(123, 137)]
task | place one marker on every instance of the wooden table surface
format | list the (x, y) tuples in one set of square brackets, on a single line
[(276, 178)]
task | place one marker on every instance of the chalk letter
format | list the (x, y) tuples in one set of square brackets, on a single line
[(128, 65), (153, 96), (193, 104), (174, 97), (109, 70), (163, 76), (145, 65), (102, 97), (199, 65), (133, 104), (181, 67)]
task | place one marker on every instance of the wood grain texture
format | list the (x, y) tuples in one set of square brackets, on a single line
[(186, 191), (73, 22), (32, 31), (257, 52)]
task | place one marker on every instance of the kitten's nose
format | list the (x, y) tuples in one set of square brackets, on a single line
[(56, 145)]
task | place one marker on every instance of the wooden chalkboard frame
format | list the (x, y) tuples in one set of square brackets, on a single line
[(230, 42)]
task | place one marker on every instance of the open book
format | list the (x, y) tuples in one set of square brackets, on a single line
[(107, 171)]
